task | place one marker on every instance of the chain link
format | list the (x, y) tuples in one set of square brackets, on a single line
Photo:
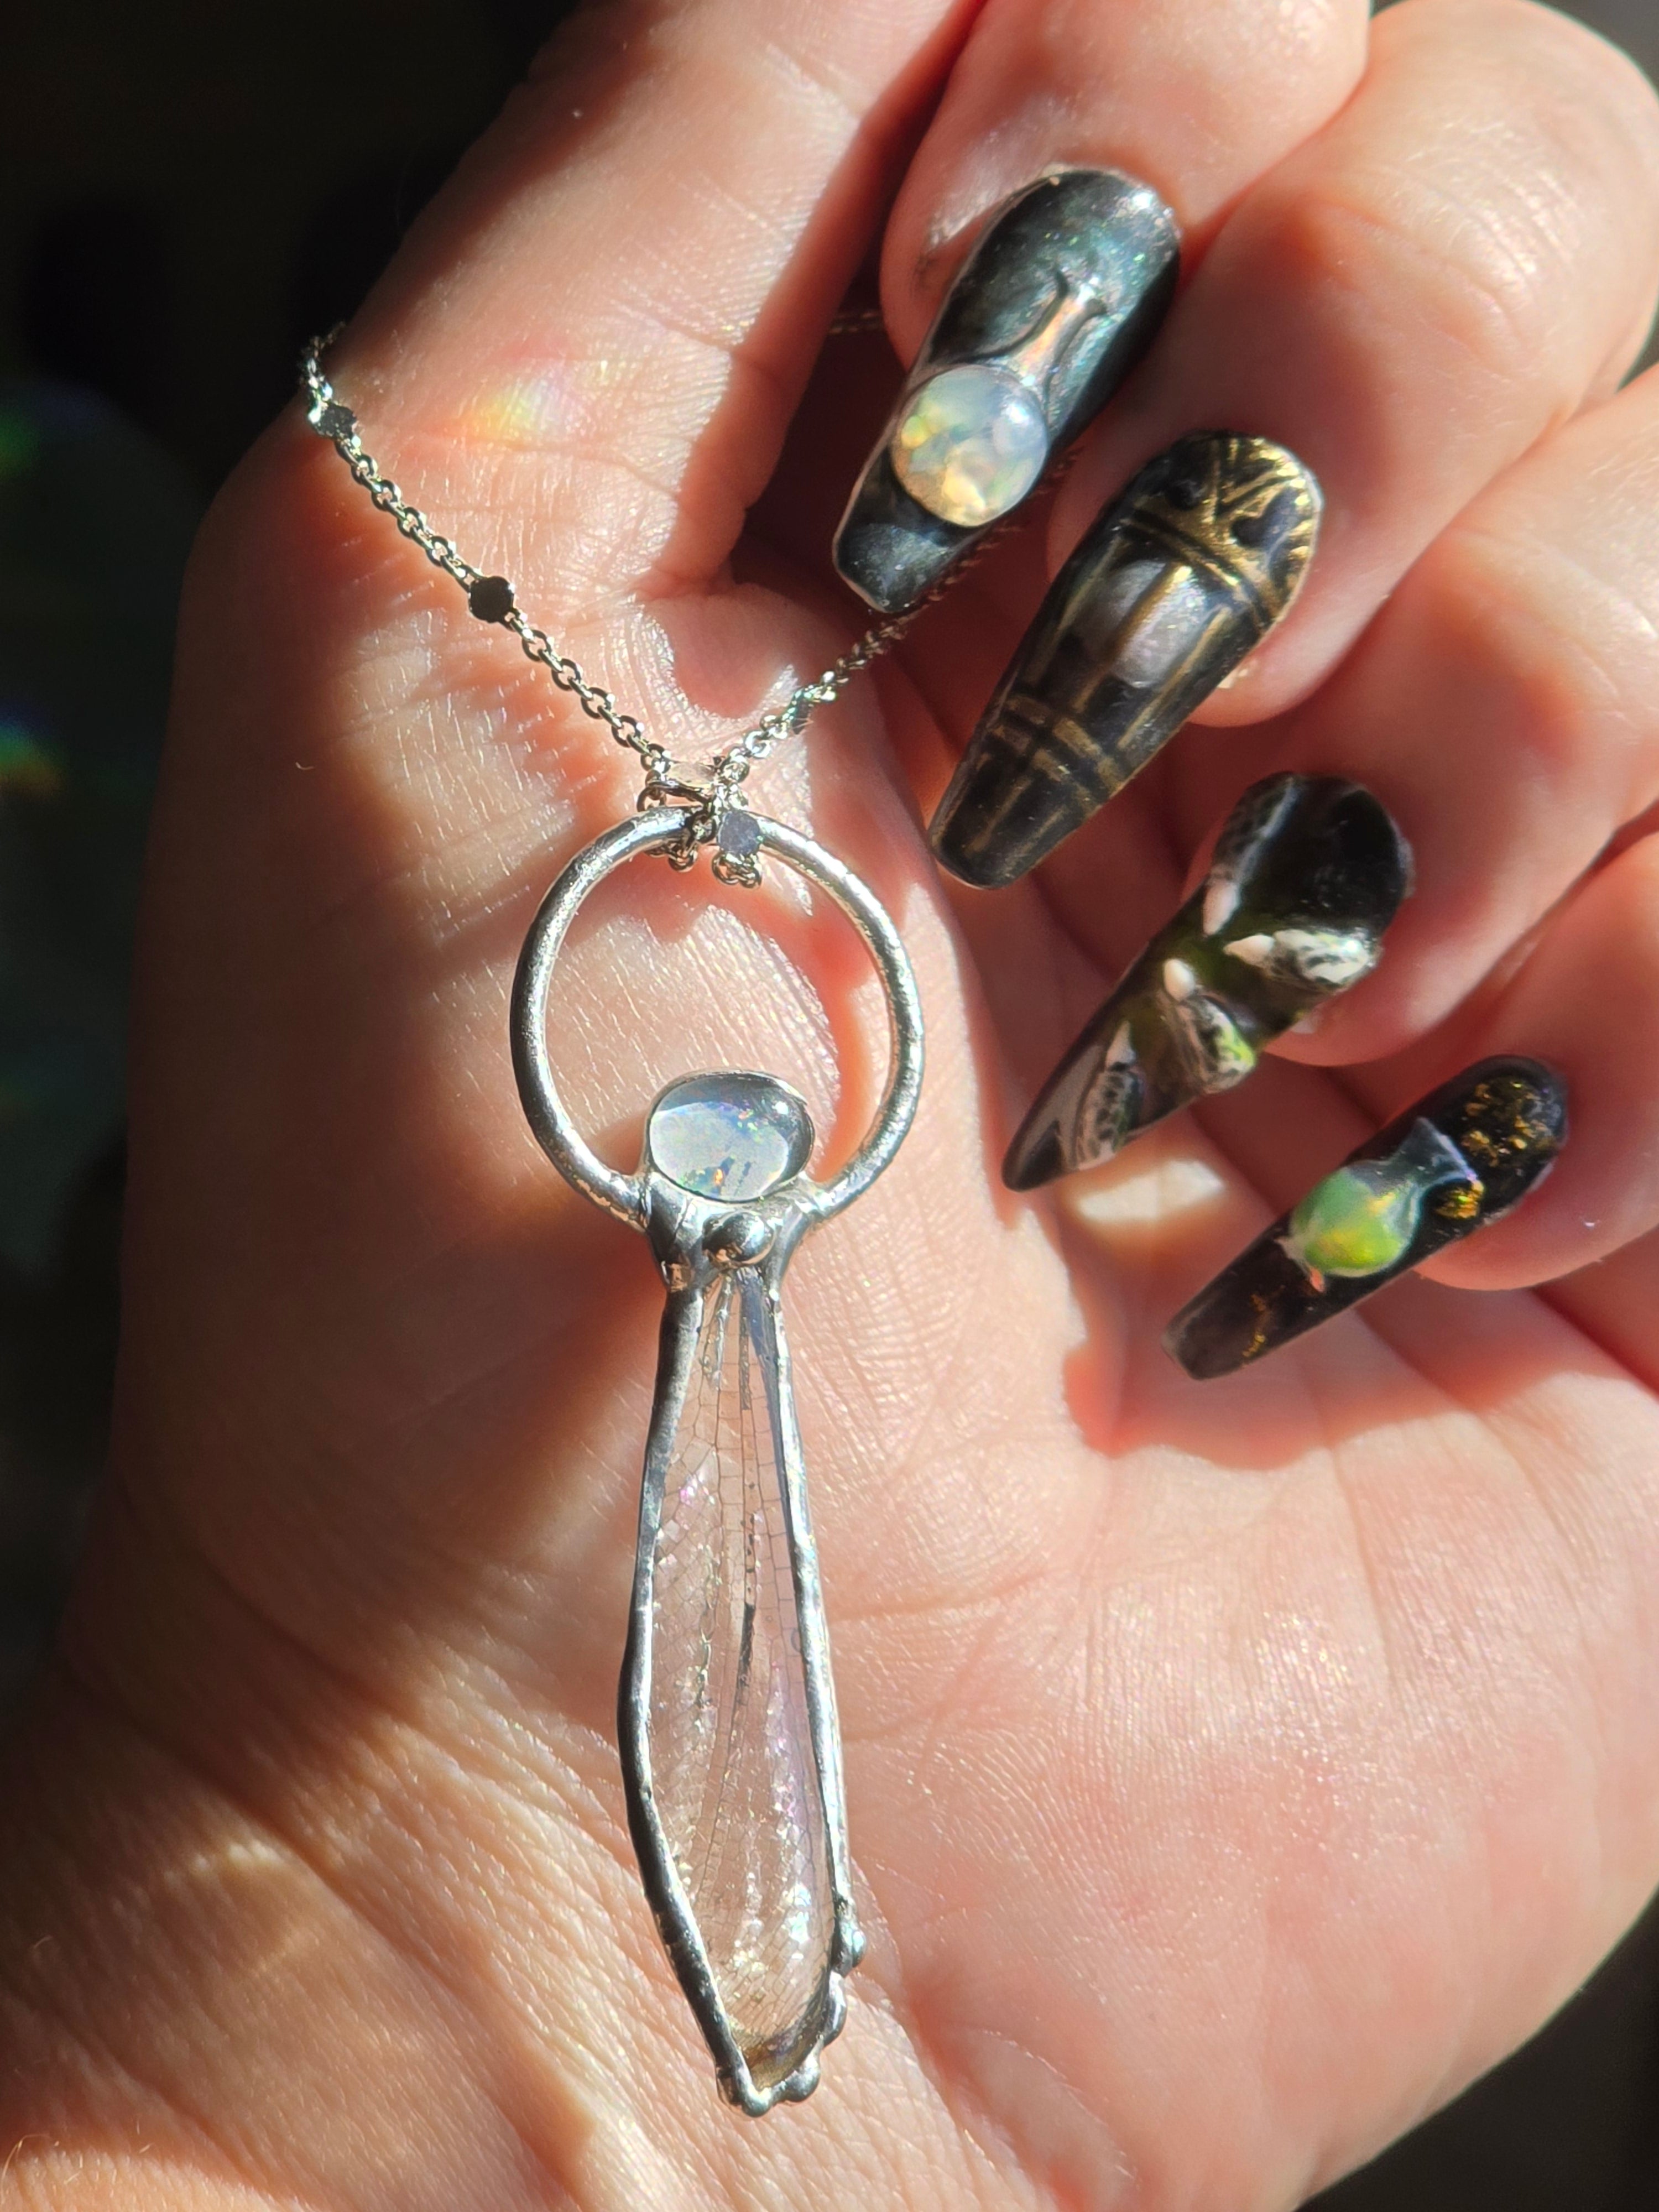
[(714, 788), (491, 599)]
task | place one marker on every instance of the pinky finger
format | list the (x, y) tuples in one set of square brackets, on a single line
[(1587, 1004), (1616, 1304)]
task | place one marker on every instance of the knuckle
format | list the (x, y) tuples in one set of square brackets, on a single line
[(1512, 232), (1541, 604), (1542, 694), (1580, 103), (1571, 57), (1495, 195), (1595, 123), (1437, 260), (1448, 272), (1564, 645)]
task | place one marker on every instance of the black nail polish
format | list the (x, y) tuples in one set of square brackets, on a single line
[(1050, 312), (1177, 581), (1444, 1168), (1307, 875)]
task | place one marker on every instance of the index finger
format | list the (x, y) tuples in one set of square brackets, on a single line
[(1198, 98), (1125, 125)]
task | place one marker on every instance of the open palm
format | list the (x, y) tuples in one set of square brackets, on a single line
[(1232, 1770)]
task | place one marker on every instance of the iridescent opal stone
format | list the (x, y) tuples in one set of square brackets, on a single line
[(734, 1136), (1441, 1170), (971, 444), (1361, 1219)]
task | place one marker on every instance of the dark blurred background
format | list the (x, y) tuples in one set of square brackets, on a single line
[(188, 189)]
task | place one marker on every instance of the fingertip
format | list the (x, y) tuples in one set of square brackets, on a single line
[(1587, 1003), (1198, 113)]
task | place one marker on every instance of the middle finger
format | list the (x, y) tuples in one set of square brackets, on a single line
[(1467, 253)]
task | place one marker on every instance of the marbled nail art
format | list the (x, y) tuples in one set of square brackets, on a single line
[(1051, 310), (1177, 581), (1444, 1168), (1307, 875)]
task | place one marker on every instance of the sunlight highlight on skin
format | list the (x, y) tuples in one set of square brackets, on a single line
[(1131, 1198), (240, 1855)]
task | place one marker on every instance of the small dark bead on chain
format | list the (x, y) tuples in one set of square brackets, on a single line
[(738, 835), (490, 597), (737, 848)]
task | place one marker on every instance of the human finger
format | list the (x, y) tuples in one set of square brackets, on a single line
[(1447, 1166), (1613, 1302), (1200, 99), (1403, 310), (1537, 1158), (1472, 244), (602, 328), (1102, 131), (1502, 706), (1587, 1003), (1305, 878), (1499, 709)]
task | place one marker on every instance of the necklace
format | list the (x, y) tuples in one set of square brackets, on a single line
[(731, 1754)]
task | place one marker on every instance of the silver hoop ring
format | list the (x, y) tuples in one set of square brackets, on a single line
[(655, 831)]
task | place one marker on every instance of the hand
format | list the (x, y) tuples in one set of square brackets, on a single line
[(1233, 1770)]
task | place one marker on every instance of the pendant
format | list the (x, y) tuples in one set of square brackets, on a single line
[(727, 1712)]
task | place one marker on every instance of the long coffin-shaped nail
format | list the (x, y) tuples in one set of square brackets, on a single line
[(1050, 312), (1444, 1168), (1174, 585), (1308, 870)]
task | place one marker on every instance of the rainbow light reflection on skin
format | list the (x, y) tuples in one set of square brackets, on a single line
[(556, 404)]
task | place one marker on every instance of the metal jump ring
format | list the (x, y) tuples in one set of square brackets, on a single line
[(655, 831)]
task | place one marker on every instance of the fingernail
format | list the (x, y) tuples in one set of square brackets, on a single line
[(1444, 1168), (1308, 872), (1177, 581), (1048, 314)]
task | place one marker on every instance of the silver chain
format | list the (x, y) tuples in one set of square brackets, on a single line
[(714, 788)]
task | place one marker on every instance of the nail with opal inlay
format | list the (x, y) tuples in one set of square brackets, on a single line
[(1308, 872), (1444, 1168), (1177, 581), (1051, 310)]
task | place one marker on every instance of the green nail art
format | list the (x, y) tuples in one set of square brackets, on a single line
[(1457, 1159), (1363, 1218)]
